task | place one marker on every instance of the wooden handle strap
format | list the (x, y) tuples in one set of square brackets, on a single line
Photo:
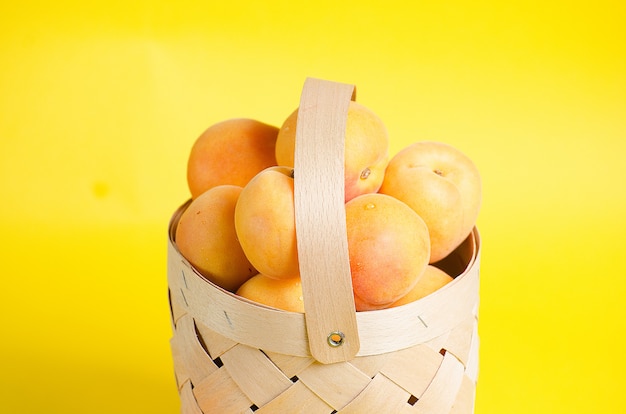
[(321, 222)]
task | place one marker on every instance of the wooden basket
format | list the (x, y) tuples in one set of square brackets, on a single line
[(235, 356)]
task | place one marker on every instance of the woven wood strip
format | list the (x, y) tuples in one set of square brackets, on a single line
[(177, 310), (459, 340), (347, 382), (191, 361), (219, 394), (413, 369), (380, 396), (214, 344), (438, 343), (372, 364), (298, 399), (255, 374), (289, 364), (188, 401), (440, 395), (464, 402), (471, 368)]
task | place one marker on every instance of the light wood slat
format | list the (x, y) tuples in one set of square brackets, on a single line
[(436, 344), (219, 394), (255, 374), (190, 360), (188, 403), (176, 309), (413, 369), (320, 217), (460, 339), (298, 399), (471, 369), (215, 343), (444, 388), (337, 384), (370, 365), (380, 396), (464, 403), (290, 365)]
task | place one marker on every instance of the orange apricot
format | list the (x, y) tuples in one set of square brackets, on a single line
[(230, 152), (442, 185), (265, 223), (206, 237), (432, 280), (366, 149), (388, 246), (285, 294)]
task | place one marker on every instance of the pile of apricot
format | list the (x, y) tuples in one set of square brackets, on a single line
[(403, 213)]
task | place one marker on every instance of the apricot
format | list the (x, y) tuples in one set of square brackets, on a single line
[(230, 152), (206, 237), (265, 223), (285, 294), (432, 280), (388, 247), (442, 185), (366, 149)]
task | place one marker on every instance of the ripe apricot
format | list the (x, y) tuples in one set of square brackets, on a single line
[(230, 152), (283, 294), (442, 185), (205, 236), (366, 149), (265, 223), (432, 279), (388, 246)]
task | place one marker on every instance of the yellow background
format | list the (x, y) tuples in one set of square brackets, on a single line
[(101, 101)]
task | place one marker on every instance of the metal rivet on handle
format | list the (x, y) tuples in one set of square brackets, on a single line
[(335, 338)]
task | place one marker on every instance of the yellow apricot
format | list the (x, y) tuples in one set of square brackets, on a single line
[(265, 223), (442, 185), (285, 294), (366, 149), (206, 237), (432, 280)]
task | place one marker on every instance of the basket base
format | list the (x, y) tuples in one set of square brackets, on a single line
[(234, 356), (217, 375)]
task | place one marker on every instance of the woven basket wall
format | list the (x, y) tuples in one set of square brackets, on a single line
[(234, 356)]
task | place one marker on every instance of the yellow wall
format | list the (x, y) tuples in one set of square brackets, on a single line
[(101, 101)]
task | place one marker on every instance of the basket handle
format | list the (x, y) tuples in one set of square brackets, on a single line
[(320, 217)]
